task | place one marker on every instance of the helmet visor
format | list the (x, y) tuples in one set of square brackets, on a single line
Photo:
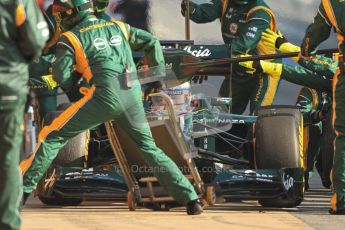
[(100, 6)]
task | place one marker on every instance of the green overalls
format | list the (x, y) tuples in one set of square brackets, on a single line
[(330, 14), (101, 53), (23, 33), (311, 103)]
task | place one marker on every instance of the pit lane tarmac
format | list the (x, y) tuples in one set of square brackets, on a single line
[(311, 214)]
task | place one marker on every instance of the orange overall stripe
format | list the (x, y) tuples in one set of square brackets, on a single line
[(315, 101), (80, 57), (334, 116), (330, 13), (334, 104), (20, 15), (57, 124), (331, 17)]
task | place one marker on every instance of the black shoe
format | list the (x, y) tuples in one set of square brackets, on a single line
[(306, 181), (337, 212), (25, 197), (306, 185), (194, 207)]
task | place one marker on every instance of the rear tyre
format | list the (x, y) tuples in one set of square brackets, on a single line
[(279, 144), (71, 155)]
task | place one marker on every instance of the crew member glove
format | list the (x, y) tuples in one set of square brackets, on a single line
[(321, 114), (51, 83), (184, 7), (198, 79), (272, 39), (257, 67), (279, 42)]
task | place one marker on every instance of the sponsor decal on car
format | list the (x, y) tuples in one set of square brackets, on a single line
[(259, 176), (201, 52), (235, 121), (288, 181)]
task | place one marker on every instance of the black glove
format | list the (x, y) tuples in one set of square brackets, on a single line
[(184, 7), (326, 105), (280, 41), (321, 114), (198, 79)]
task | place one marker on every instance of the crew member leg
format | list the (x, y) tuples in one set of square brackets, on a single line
[(313, 151), (87, 113), (266, 89), (11, 126), (242, 87), (132, 119), (338, 173)]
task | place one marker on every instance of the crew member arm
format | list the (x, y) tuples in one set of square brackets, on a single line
[(302, 76), (322, 65), (141, 40), (32, 29), (207, 12), (63, 65), (305, 104), (316, 33)]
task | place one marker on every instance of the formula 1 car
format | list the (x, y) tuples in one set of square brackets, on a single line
[(243, 157)]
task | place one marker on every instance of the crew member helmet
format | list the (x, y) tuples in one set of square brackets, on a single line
[(99, 6), (68, 13)]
